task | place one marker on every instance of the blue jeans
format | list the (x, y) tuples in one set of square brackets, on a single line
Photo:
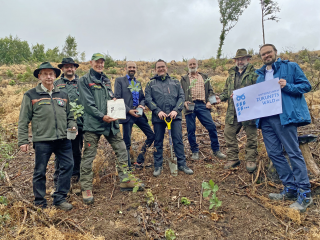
[(176, 133), (275, 136), (204, 116), (43, 150), (142, 123)]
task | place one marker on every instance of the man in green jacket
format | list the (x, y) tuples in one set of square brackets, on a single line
[(47, 108), (68, 83), (197, 89), (95, 90), (241, 75)]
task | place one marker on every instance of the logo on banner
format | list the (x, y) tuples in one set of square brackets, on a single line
[(241, 104)]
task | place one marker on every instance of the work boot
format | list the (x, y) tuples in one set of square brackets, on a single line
[(219, 155), (195, 156), (87, 197), (304, 200), (251, 166), (157, 171), (140, 166), (186, 170), (231, 164), (129, 185), (65, 206), (288, 193)]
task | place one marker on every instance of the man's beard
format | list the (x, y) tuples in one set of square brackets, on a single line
[(69, 75), (271, 62), (131, 73), (241, 67), (193, 70)]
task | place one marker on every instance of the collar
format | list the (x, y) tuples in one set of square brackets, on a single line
[(197, 73), (129, 78)]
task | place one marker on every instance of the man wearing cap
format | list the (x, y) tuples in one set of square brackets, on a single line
[(241, 75), (197, 89), (133, 100), (95, 91), (68, 83), (47, 108)]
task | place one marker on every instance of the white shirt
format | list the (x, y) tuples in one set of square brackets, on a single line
[(269, 74)]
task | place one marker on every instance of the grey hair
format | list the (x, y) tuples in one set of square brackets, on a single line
[(192, 59)]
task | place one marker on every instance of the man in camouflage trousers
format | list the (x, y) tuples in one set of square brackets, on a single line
[(95, 91), (241, 75)]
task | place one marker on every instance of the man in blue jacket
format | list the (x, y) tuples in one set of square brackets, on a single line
[(281, 130)]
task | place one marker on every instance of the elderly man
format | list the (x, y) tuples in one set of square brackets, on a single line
[(165, 98), (133, 100), (48, 109), (95, 91), (241, 75), (68, 83), (197, 89), (281, 130)]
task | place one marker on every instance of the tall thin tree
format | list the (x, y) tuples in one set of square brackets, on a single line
[(269, 8), (230, 11)]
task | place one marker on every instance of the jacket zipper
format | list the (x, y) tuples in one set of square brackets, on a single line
[(55, 116)]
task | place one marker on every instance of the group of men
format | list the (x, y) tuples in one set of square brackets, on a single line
[(48, 108)]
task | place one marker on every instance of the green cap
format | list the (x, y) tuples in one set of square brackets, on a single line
[(97, 56)]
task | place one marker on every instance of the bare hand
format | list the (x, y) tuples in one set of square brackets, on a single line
[(108, 119), (132, 112), (231, 96), (282, 83), (114, 99), (24, 147), (208, 105), (74, 128), (162, 115), (186, 105), (218, 99), (173, 114), (140, 106)]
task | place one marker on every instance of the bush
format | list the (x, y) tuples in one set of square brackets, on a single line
[(109, 62), (27, 76), (112, 71), (12, 82), (9, 73)]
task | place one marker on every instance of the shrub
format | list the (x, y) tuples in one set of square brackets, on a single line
[(109, 62), (10, 73)]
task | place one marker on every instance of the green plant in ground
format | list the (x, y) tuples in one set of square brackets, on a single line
[(4, 218), (3, 200), (9, 73), (149, 197), (109, 62), (134, 87), (76, 109), (185, 201), (209, 187), (170, 234), (112, 71), (12, 82), (130, 177)]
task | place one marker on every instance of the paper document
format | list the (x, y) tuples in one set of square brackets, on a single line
[(116, 109), (258, 100)]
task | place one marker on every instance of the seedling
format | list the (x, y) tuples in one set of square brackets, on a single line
[(185, 201), (131, 177), (170, 235), (208, 188), (76, 109), (150, 197), (3, 200), (134, 87)]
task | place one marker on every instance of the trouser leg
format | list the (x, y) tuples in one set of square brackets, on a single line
[(77, 145), (159, 130), (230, 135), (251, 146), (191, 129), (176, 132), (127, 130)]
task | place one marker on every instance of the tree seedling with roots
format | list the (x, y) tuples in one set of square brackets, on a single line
[(134, 87), (131, 177), (185, 201), (209, 187), (76, 109)]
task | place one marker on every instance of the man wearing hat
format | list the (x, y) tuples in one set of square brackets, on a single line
[(95, 91), (47, 108), (241, 75), (68, 83)]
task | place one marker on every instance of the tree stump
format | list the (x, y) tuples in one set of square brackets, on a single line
[(307, 155)]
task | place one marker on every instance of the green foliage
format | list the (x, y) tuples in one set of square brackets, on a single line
[(230, 11), (112, 71), (83, 57), (185, 201), (193, 83), (9, 73), (210, 187), (134, 87), (54, 55), (27, 76), (38, 53), (109, 62), (12, 82), (149, 197), (4, 218), (3, 200), (170, 234), (316, 65), (70, 47), (269, 9), (76, 109)]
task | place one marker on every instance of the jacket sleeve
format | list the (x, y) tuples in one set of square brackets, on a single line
[(87, 100), (70, 117), (25, 118), (149, 102), (301, 84), (180, 103), (224, 95), (118, 92)]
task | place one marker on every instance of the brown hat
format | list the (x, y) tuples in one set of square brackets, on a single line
[(242, 53)]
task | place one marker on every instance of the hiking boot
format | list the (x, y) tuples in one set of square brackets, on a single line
[(87, 197), (219, 155), (304, 200), (186, 170), (129, 185), (157, 171), (288, 193), (195, 156), (251, 166), (65, 206), (140, 166), (231, 164)]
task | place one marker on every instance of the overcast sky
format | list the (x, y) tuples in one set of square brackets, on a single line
[(153, 29)]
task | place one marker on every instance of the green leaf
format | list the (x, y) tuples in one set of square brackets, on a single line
[(218, 204), (206, 193), (135, 189), (211, 206), (205, 185), (211, 183), (215, 188), (125, 180)]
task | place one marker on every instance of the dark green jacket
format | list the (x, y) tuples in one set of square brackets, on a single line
[(50, 116), (249, 77), (185, 83), (164, 94), (95, 90), (71, 88)]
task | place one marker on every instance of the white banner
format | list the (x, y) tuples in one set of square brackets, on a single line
[(258, 100)]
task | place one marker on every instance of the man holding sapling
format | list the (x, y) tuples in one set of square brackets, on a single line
[(165, 98), (129, 88), (198, 94), (48, 110), (241, 75), (281, 130), (68, 83), (95, 91)]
